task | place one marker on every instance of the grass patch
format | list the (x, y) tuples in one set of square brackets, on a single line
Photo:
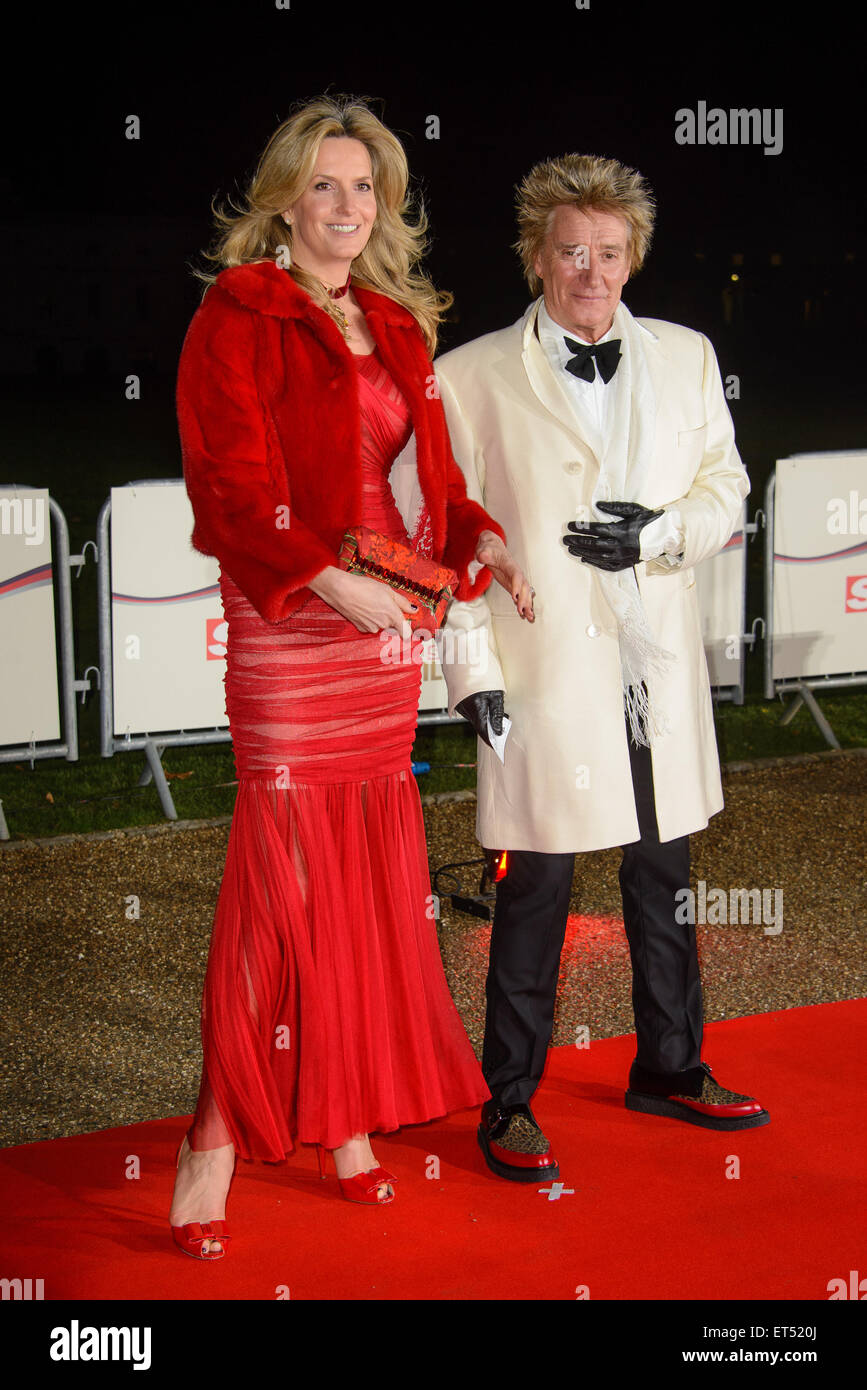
[(55, 797)]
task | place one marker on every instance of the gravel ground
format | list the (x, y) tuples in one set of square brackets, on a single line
[(101, 1009)]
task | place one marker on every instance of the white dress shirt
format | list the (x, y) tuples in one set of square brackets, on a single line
[(592, 404)]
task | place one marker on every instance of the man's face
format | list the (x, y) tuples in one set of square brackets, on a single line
[(581, 294)]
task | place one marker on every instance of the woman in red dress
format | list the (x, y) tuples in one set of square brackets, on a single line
[(304, 374)]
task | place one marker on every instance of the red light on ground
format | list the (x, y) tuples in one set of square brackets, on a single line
[(496, 866)]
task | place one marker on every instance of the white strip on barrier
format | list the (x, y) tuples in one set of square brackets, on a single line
[(819, 580), (29, 694)]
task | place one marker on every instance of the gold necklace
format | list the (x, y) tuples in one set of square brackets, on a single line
[(338, 294)]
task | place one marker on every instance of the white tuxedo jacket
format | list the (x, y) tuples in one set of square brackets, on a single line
[(566, 783)]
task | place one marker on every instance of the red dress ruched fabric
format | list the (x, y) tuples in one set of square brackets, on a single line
[(325, 1009)]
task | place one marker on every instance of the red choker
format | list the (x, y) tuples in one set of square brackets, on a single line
[(338, 294)]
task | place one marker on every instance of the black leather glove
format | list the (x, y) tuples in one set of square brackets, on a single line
[(611, 545), (476, 709)]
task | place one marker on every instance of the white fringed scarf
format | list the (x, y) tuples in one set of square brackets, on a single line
[(624, 467)]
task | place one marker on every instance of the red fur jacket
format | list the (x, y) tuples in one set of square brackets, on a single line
[(271, 438)]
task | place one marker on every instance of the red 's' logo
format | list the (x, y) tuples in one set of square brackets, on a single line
[(217, 633), (856, 593)]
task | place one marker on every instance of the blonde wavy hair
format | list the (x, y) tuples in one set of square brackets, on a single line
[(389, 262), (582, 181)]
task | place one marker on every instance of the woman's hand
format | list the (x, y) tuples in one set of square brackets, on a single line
[(371, 606), (491, 551)]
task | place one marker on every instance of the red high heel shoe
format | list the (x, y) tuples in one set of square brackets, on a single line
[(361, 1187), (192, 1234)]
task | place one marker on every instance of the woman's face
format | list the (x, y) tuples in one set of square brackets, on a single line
[(332, 220)]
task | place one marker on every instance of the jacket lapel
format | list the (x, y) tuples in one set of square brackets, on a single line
[(546, 387), (657, 361)]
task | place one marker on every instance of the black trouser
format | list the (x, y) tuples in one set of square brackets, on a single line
[(527, 938)]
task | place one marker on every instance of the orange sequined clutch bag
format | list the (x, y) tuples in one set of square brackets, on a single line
[(429, 585)]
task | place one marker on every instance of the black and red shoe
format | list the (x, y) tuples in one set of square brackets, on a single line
[(693, 1096), (513, 1144)]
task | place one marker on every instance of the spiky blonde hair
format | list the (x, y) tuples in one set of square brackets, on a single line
[(582, 181)]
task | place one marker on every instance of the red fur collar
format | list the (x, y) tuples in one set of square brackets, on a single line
[(266, 287)]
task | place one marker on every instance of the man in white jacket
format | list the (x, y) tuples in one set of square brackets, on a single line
[(604, 446)]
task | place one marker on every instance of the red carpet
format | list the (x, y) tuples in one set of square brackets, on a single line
[(652, 1214)]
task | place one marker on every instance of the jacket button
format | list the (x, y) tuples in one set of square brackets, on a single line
[(593, 631), (574, 467)]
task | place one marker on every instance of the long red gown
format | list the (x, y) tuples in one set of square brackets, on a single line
[(325, 1009)]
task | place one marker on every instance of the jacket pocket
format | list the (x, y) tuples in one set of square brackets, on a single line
[(690, 446)]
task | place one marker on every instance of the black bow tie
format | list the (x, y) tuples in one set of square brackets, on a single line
[(607, 356)]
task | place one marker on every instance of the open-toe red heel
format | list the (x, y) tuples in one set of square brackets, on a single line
[(192, 1234), (361, 1187), (189, 1238)]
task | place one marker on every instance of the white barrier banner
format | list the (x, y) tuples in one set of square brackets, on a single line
[(29, 699), (820, 565), (168, 631), (720, 588)]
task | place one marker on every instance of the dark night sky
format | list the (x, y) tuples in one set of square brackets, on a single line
[(511, 84)]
